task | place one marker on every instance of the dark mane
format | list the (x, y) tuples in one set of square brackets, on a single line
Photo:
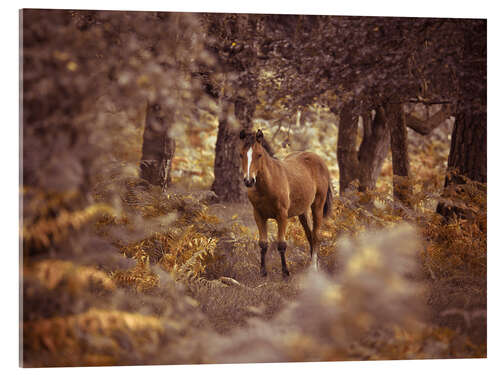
[(250, 140), (268, 148)]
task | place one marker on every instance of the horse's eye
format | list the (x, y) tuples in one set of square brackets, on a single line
[(258, 156)]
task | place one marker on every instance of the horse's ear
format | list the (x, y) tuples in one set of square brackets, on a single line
[(242, 134), (259, 136)]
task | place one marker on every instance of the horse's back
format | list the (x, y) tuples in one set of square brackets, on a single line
[(308, 161), (307, 176)]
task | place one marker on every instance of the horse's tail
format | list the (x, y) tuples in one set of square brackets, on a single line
[(327, 208)]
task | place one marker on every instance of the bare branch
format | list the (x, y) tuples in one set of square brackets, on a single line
[(424, 127)]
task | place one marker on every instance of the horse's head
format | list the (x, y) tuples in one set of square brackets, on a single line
[(251, 156)]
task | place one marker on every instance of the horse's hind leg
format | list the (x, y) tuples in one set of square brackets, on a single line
[(317, 214), (282, 222), (262, 226), (307, 229)]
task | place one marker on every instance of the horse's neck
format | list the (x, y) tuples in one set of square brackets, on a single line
[(265, 175)]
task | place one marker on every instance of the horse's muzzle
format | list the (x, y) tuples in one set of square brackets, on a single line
[(249, 182)]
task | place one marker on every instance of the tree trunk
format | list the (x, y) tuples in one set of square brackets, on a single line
[(468, 147), (468, 143), (467, 156), (399, 148), (373, 149), (158, 147), (228, 181), (363, 165), (347, 154)]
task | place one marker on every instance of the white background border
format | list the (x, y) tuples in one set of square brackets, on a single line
[(10, 162)]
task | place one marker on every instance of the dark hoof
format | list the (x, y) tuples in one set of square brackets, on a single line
[(263, 273), (286, 274)]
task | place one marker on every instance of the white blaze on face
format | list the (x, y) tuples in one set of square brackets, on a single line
[(249, 161)]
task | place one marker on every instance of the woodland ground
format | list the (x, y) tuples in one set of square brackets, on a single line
[(393, 284)]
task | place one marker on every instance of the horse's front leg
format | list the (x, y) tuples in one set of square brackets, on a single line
[(262, 226), (282, 222)]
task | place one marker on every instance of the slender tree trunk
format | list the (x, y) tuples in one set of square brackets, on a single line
[(399, 148), (468, 143), (373, 149), (347, 154), (363, 165), (158, 147)]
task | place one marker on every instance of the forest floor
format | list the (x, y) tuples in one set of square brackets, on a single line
[(174, 277), (383, 294), (254, 295)]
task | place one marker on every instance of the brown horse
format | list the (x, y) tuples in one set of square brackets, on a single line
[(280, 189)]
